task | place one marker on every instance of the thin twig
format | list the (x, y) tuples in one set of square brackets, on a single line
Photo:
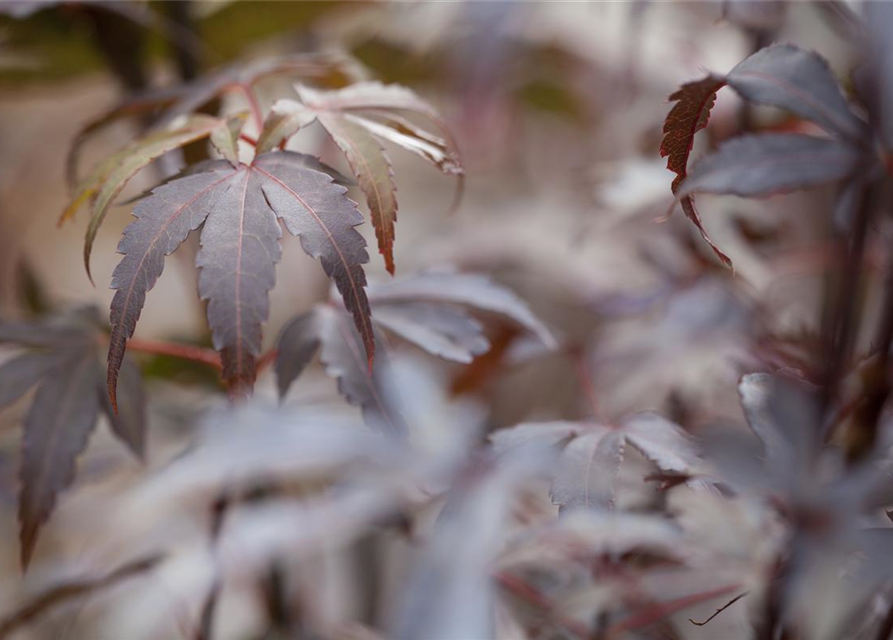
[(720, 610), (266, 359), (248, 139), (66, 591), (658, 611)]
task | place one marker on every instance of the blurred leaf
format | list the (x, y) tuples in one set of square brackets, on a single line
[(64, 411), (766, 164), (592, 453), (450, 593), (424, 309), (798, 81)]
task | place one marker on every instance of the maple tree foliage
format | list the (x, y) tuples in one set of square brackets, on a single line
[(62, 361), (782, 76), (427, 309), (239, 207), (357, 117), (444, 510), (689, 115), (592, 453)]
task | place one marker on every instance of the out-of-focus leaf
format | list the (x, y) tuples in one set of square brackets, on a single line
[(297, 344), (798, 81), (450, 593), (765, 164), (438, 329), (547, 433), (57, 429), (68, 375), (592, 453), (342, 357), (661, 441), (878, 22), (450, 287), (240, 246), (423, 309), (241, 446), (128, 422), (587, 469), (783, 413), (23, 372), (356, 117), (766, 15)]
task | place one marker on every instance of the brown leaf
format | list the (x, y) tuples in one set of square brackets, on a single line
[(690, 114)]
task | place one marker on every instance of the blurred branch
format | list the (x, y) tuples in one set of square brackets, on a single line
[(68, 590), (185, 351)]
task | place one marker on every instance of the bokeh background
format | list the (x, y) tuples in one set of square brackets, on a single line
[(557, 108)]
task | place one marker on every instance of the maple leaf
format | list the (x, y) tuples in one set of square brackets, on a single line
[(110, 176), (592, 453), (62, 361), (690, 114), (798, 81), (357, 118), (239, 207), (426, 309), (782, 76), (169, 103), (326, 329), (766, 164)]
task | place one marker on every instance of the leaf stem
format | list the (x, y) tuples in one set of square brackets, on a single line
[(248, 139), (184, 351), (266, 359), (254, 105)]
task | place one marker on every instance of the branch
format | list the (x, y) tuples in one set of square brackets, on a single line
[(720, 610), (651, 614), (65, 591), (184, 351), (266, 359)]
